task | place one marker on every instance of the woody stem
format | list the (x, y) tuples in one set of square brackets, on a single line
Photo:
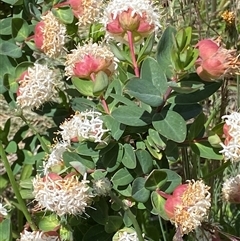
[(131, 46)]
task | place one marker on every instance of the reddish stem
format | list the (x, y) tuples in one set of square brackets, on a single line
[(163, 194), (131, 46), (104, 103)]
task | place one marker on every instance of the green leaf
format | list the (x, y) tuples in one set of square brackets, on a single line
[(97, 233), (147, 47), (155, 180), (82, 104), (207, 90), (26, 194), (155, 137), (158, 204), (205, 150), (129, 158), (11, 147), (172, 151), (64, 14), (100, 84), (139, 192), (5, 230), (69, 157), (23, 66), (132, 116), (122, 177), (10, 49), (187, 111), (85, 87), (112, 159), (197, 127), (20, 29), (186, 87), (113, 224), (26, 172), (171, 125), (48, 223), (173, 180), (125, 191), (87, 149), (145, 91), (153, 72), (5, 26), (99, 212), (13, 2), (145, 160), (164, 50), (117, 129)]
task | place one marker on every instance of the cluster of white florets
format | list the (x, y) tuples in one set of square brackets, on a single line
[(83, 126), (231, 146), (38, 85)]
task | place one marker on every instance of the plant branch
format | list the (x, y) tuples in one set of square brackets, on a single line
[(130, 215), (16, 187)]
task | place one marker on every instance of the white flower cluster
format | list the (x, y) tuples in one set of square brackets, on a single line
[(231, 189), (38, 85), (55, 158), (126, 234), (231, 148), (54, 36), (3, 210), (37, 236), (62, 195), (83, 126)]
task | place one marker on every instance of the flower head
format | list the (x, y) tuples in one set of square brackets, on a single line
[(37, 236), (87, 11), (83, 126), (55, 158), (229, 17), (90, 59), (62, 195), (231, 189), (102, 187), (136, 16), (126, 234), (188, 206), (215, 61), (231, 146), (50, 35), (38, 85)]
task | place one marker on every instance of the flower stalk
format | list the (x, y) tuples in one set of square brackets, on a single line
[(131, 46), (16, 188)]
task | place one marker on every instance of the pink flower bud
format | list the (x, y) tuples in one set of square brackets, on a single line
[(90, 59), (38, 36), (90, 64), (77, 7), (226, 133), (136, 16), (129, 21), (215, 61), (207, 48), (52, 176), (174, 200)]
